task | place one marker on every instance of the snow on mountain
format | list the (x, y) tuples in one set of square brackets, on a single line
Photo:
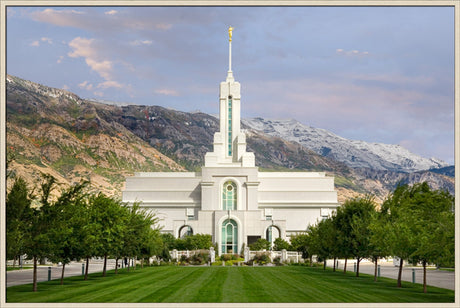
[(356, 154)]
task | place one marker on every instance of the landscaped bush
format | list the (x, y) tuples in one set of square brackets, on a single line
[(184, 259), (234, 262), (261, 258), (229, 256), (277, 261), (260, 244), (200, 257)]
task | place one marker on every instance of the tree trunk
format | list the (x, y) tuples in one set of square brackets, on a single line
[(375, 269), (311, 261), (62, 274), (324, 264), (357, 266), (116, 266), (142, 263), (129, 261), (334, 264), (400, 273), (424, 276), (345, 267), (34, 279), (14, 261), (86, 269), (104, 270)]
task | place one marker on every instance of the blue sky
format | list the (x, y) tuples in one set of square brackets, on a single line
[(378, 74)]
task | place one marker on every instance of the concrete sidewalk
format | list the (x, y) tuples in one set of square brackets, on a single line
[(25, 276), (434, 277)]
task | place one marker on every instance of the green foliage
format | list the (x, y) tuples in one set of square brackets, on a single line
[(66, 224), (419, 224), (326, 239), (229, 257), (260, 258), (76, 225), (260, 244), (302, 242), (280, 244), (18, 213), (352, 221), (191, 242)]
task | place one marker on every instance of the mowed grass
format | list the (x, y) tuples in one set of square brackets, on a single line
[(175, 284)]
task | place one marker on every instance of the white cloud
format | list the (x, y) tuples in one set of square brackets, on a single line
[(99, 93), (141, 42), (64, 18), (60, 59), (65, 87), (85, 48), (111, 12), (354, 52), (43, 39), (110, 84), (167, 92), (47, 40), (86, 85)]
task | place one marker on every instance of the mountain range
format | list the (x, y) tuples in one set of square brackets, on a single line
[(354, 153), (54, 131)]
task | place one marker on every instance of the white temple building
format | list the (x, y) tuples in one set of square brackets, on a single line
[(230, 199)]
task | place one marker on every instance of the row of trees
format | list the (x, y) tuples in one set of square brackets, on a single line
[(75, 225), (414, 223)]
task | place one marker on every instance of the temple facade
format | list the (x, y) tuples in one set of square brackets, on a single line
[(230, 199)]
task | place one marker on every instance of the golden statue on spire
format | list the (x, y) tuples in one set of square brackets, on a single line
[(230, 33)]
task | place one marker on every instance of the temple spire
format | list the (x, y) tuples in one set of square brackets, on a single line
[(230, 73)]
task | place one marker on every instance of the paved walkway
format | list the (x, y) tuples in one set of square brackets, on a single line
[(25, 276), (437, 278)]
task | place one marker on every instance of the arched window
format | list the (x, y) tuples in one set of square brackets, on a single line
[(272, 234), (229, 236), (185, 231), (229, 196)]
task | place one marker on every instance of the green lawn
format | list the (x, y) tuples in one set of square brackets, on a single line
[(17, 268), (227, 284)]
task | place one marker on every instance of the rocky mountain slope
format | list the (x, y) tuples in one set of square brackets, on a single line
[(54, 131), (356, 154)]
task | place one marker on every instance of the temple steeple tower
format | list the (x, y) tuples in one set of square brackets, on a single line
[(229, 141)]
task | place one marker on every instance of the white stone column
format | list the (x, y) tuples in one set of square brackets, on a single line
[(283, 255), (212, 254), (246, 254)]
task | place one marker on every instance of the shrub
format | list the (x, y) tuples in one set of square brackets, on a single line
[(260, 244), (234, 262), (229, 256), (280, 244), (183, 259), (277, 261), (261, 258)]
